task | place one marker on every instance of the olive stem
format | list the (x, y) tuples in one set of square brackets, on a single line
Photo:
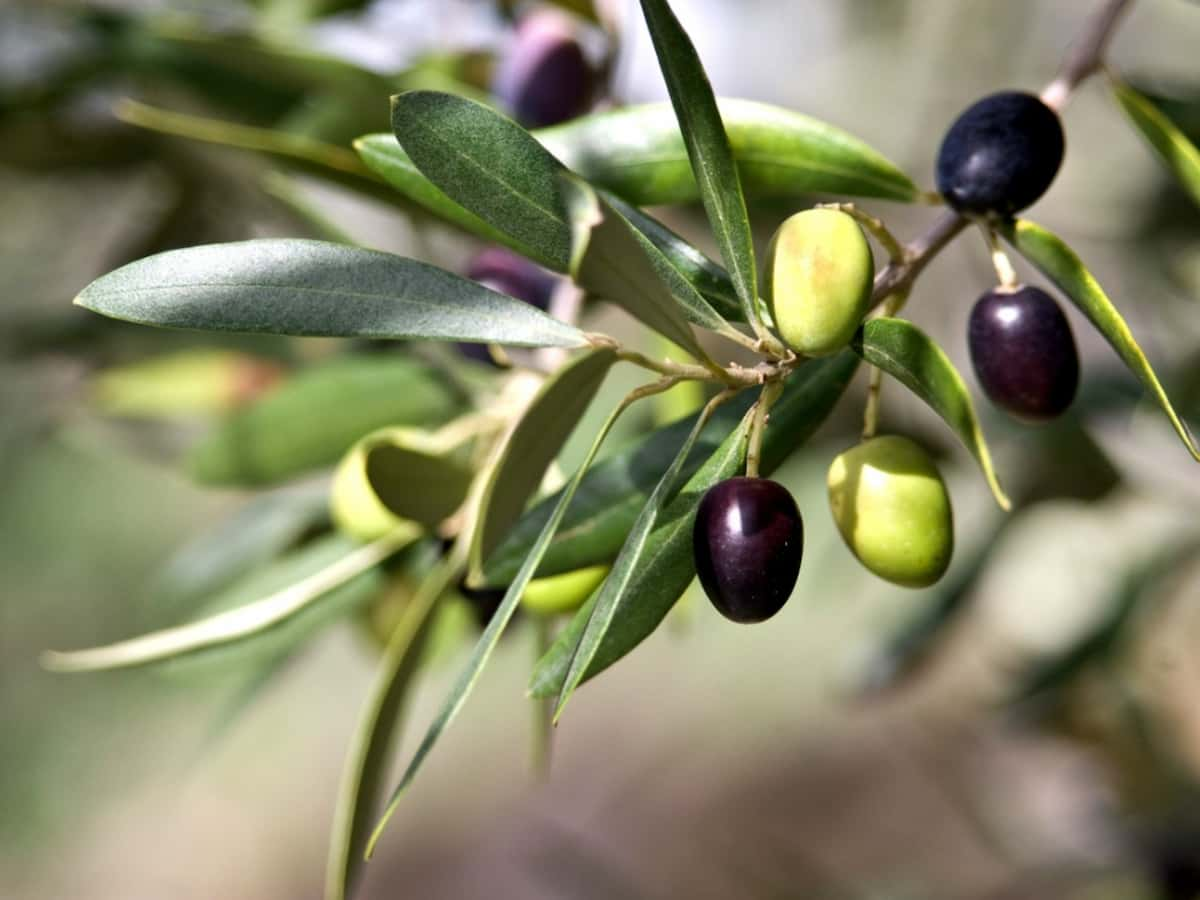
[(758, 426), (1005, 272), (873, 224), (1087, 55), (543, 711)]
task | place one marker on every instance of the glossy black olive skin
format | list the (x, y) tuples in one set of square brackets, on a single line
[(1024, 353), (544, 78), (748, 540), (1000, 155)]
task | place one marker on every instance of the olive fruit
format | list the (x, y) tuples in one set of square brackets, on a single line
[(508, 273), (891, 507), (1000, 155), (1023, 353), (544, 77), (747, 540), (817, 280), (562, 593)]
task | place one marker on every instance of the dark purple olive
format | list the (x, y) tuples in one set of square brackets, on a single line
[(1000, 155), (1023, 353), (544, 77), (508, 273), (747, 541)]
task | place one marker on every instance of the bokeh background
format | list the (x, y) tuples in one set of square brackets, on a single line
[(1028, 728)]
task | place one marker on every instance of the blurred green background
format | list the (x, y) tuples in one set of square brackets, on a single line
[(1029, 728)]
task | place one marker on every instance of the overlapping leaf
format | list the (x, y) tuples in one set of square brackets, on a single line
[(1059, 263), (915, 360), (1178, 153)]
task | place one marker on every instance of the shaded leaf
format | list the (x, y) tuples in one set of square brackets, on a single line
[(490, 165), (316, 288), (638, 153), (532, 445), (1172, 146), (311, 419), (1059, 263), (707, 148), (243, 623), (915, 360), (667, 564)]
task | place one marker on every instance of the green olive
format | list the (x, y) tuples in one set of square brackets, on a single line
[(892, 508), (818, 278), (562, 593)]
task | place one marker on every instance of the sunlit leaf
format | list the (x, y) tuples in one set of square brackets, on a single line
[(1059, 263), (915, 360), (1179, 154)]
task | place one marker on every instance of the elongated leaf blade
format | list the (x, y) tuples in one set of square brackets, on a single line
[(639, 154), (491, 635), (1059, 263), (316, 289), (708, 149), (609, 597), (235, 625), (1179, 154), (667, 565), (363, 779), (914, 359), (490, 165), (532, 445)]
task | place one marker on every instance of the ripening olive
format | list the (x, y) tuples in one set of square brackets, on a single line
[(508, 273), (817, 280), (544, 78), (1000, 155), (747, 541), (891, 507), (1024, 353), (562, 593)]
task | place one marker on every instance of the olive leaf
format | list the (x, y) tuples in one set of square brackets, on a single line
[(607, 601), (708, 150), (612, 261), (245, 622), (532, 444), (469, 676), (363, 777), (1172, 146), (639, 154), (915, 360), (319, 289), (665, 566), (1058, 262), (314, 417)]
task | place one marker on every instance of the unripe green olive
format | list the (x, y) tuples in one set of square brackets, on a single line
[(818, 278), (892, 509), (562, 593)]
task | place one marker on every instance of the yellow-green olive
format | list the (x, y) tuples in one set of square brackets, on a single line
[(891, 507), (562, 593), (818, 278)]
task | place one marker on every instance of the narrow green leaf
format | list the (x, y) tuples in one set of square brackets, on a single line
[(1178, 153), (708, 149), (316, 288), (608, 599), (615, 263), (532, 445), (490, 165), (234, 625), (491, 635), (363, 778), (638, 153), (911, 357), (1059, 263), (311, 419), (667, 566)]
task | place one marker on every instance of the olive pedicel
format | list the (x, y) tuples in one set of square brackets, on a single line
[(1023, 353), (892, 509), (1000, 155), (544, 78), (817, 280), (747, 542)]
